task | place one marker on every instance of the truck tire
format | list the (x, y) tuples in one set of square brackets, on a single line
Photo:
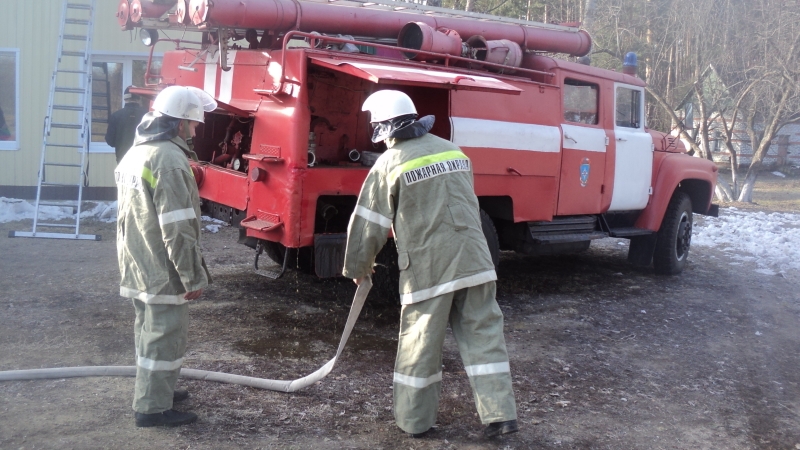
[(492, 240), (674, 236)]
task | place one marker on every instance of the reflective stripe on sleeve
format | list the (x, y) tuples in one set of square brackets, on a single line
[(176, 216), (373, 217), (451, 286), (148, 176), (417, 382), (151, 364), (152, 299), (487, 369)]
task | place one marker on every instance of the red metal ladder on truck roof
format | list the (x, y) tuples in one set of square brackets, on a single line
[(67, 125)]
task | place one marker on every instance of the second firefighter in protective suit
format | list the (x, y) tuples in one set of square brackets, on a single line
[(158, 247), (422, 188)]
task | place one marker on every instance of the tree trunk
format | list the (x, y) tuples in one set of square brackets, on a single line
[(588, 17), (746, 195), (734, 170), (764, 143), (469, 6), (723, 191), (670, 72), (702, 128)]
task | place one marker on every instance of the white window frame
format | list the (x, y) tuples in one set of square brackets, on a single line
[(126, 59), (642, 98), (13, 145)]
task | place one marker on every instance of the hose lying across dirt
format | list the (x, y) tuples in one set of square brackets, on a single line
[(260, 383)]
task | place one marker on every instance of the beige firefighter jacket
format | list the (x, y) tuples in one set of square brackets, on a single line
[(423, 188), (158, 223)]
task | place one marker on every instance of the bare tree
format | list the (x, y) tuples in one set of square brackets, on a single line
[(769, 62), (752, 44)]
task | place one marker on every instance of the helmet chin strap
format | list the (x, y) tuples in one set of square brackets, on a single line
[(183, 130), (183, 133)]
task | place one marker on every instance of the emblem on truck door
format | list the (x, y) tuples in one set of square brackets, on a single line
[(585, 167)]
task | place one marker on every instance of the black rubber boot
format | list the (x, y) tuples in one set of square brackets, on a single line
[(498, 428), (179, 395), (168, 418), (419, 435)]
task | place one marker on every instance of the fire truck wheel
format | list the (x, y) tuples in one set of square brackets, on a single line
[(674, 236), (491, 238)]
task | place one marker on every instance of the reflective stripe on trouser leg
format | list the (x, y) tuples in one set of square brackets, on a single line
[(418, 367), (161, 332), (477, 324)]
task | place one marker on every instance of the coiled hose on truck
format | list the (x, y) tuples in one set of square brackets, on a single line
[(195, 374)]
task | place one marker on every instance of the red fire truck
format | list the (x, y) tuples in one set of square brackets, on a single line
[(560, 150)]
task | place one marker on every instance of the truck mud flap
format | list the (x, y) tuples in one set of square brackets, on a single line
[(713, 211), (641, 250), (329, 254)]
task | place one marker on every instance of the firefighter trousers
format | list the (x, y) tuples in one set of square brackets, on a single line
[(160, 334), (477, 325)]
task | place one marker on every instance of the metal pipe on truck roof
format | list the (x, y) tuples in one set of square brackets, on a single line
[(149, 8), (286, 15), (420, 36)]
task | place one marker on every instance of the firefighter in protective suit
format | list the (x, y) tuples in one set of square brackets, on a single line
[(158, 232), (422, 188)]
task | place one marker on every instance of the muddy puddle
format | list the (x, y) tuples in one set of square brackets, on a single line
[(295, 336), (302, 344)]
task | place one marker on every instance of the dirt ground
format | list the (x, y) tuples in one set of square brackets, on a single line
[(603, 355)]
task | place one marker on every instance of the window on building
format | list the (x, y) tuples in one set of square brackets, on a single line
[(110, 76), (580, 102), (9, 99), (628, 107)]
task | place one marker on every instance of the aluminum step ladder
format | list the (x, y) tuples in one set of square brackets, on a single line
[(67, 125)]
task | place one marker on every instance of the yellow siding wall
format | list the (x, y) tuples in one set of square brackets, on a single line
[(32, 27)]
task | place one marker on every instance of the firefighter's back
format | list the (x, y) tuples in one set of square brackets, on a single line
[(437, 224)]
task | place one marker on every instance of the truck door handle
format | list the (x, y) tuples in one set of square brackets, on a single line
[(622, 140)]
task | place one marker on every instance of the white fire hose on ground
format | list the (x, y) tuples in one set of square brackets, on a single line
[(260, 383)]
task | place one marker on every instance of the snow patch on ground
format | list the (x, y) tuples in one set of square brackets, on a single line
[(212, 228), (215, 224), (214, 221), (771, 240), (12, 209)]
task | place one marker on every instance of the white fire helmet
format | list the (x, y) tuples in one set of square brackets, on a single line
[(184, 102), (388, 104)]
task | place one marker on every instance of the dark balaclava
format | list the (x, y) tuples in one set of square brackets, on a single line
[(402, 127), (156, 128)]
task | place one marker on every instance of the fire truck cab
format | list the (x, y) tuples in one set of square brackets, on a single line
[(560, 150)]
